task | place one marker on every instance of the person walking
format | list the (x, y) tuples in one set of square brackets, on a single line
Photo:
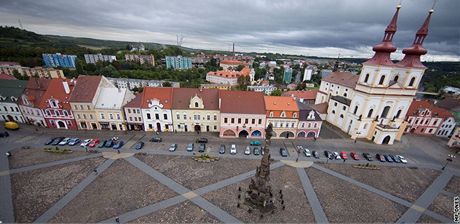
[(117, 220)]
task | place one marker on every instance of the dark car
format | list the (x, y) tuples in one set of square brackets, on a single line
[(283, 152), (367, 156), (202, 140), (380, 157), (190, 147), (257, 150), (102, 144), (57, 140), (139, 145), (202, 147), (315, 154), (222, 149), (328, 154), (118, 144), (108, 144), (388, 158), (394, 158), (156, 139), (51, 140), (4, 134)]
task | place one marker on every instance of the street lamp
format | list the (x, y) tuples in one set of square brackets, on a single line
[(449, 159)]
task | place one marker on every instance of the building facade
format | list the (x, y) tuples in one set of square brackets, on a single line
[(423, 117), (266, 89), (94, 58), (109, 108), (39, 72), (59, 60), (55, 105), (30, 101), (229, 77), (242, 114), (283, 113), (310, 122), (133, 114), (10, 93), (178, 62), (287, 76), (196, 110), (156, 109), (141, 59), (140, 83)]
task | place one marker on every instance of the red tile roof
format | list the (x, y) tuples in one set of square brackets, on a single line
[(182, 97), (426, 104), (136, 102), (232, 74), (232, 62), (320, 108), (307, 95), (85, 89), (163, 94), (342, 78), (35, 89), (57, 91), (242, 102), (448, 103), (5, 76)]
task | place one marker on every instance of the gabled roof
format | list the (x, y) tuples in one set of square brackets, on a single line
[(342, 78), (232, 62), (280, 103), (163, 94), (57, 91), (11, 88), (5, 76), (417, 105), (35, 89), (136, 102), (182, 97), (110, 98), (85, 89), (320, 108), (231, 74), (242, 102), (307, 94), (304, 111), (449, 103)]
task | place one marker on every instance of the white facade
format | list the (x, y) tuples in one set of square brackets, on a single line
[(307, 74), (108, 108), (93, 58), (157, 118), (446, 128), (232, 81), (267, 90), (10, 111), (31, 114)]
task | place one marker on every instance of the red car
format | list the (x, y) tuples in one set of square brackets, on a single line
[(93, 143), (343, 155), (354, 155)]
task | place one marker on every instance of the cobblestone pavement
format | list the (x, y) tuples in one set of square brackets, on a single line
[(209, 212)]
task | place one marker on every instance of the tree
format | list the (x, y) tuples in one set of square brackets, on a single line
[(276, 92), (243, 82), (239, 67), (167, 84)]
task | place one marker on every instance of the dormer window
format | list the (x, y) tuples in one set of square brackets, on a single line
[(53, 104), (283, 114), (395, 79), (411, 83), (294, 115), (311, 115), (271, 114), (366, 78), (382, 79), (196, 104)]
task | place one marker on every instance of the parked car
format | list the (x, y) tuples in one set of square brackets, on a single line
[(247, 151), (222, 149), (85, 142), (202, 140), (11, 125), (118, 144), (343, 155), (396, 160), (387, 158), (156, 139), (315, 154), (257, 150), (336, 155), (64, 141), (102, 144), (233, 149), (380, 157), (139, 145), (109, 143), (354, 155), (202, 147), (74, 141), (306, 152), (94, 143), (50, 141), (173, 147), (255, 143), (367, 156), (4, 134), (283, 152), (402, 159), (57, 140), (328, 154), (190, 147)]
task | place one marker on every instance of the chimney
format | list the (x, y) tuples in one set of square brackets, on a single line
[(66, 87)]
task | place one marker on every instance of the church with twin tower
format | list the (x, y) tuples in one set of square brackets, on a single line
[(373, 105)]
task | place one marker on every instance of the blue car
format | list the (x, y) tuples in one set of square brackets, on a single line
[(118, 144)]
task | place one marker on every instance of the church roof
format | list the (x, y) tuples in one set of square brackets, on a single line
[(342, 78)]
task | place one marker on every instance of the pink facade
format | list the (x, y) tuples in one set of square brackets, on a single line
[(423, 124), (242, 125), (309, 129)]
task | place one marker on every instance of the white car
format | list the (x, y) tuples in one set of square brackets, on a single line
[(85, 142), (233, 149), (403, 160), (64, 141), (307, 152), (247, 151)]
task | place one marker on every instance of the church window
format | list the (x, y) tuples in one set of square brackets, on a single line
[(356, 110), (385, 112), (396, 78), (196, 104), (370, 113), (398, 113), (366, 78), (411, 83), (382, 79)]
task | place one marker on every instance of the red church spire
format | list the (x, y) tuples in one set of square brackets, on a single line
[(412, 54), (384, 49)]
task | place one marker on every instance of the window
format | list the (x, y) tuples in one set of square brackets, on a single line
[(246, 121), (148, 116), (111, 116), (196, 104), (294, 115), (75, 107), (344, 108), (239, 120), (17, 109), (225, 120), (208, 117), (333, 111), (138, 111), (398, 113), (253, 121), (303, 124), (215, 127), (157, 116), (369, 114), (435, 122), (130, 119), (118, 117), (91, 116), (178, 116), (102, 115), (345, 94), (335, 104), (78, 116), (87, 107), (395, 79), (366, 78), (233, 120), (185, 116), (382, 79), (411, 83), (356, 109), (385, 112), (129, 110), (271, 114), (283, 114), (341, 116), (81, 107), (84, 116), (165, 116), (260, 121), (215, 117)]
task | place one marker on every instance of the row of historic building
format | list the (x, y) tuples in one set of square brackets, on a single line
[(94, 102)]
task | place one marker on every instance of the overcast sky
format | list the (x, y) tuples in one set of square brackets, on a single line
[(315, 28)]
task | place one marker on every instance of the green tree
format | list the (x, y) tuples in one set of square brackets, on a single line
[(239, 67), (167, 84), (276, 92)]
